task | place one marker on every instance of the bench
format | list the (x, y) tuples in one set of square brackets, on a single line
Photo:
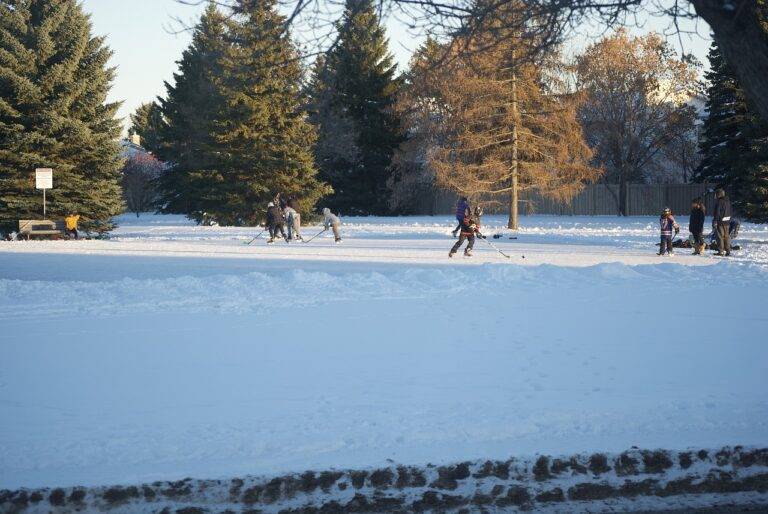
[(41, 228)]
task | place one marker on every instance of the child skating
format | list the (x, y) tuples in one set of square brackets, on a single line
[(469, 226), (667, 224)]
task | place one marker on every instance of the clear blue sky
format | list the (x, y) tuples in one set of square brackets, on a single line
[(147, 43)]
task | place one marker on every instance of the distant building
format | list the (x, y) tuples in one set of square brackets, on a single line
[(132, 146)]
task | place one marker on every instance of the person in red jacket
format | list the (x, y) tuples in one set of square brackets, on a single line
[(469, 226)]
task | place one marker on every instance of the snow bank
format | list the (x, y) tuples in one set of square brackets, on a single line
[(260, 292), (635, 480)]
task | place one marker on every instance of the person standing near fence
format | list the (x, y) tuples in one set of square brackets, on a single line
[(721, 222), (696, 225)]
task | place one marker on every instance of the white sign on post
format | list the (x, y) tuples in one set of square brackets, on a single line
[(44, 178)]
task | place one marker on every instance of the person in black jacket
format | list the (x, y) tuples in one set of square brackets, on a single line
[(696, 225), (721, 221), (275, 222), (469, 227)]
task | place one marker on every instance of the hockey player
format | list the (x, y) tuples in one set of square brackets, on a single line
[(293, 222), (275, 221), (462, 209), (667, 224), (469, 227), (333, 222)]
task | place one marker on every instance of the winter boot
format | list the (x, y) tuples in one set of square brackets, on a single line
[(451, 254), (338, 240), (467, 253), (270, 241)]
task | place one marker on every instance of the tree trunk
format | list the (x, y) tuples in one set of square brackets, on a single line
[(623, 196), (513, 200), (742, 35)]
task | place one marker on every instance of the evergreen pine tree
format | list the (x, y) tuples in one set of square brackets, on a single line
[(353, 101), (147, 122), (54, 80), (734, 142), (751, 185), (723, 140), (189, 112), (262, 130)]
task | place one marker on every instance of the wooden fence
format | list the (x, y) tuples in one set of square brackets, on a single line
[(593, 200)]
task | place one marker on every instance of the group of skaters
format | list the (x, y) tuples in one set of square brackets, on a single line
[(284, 220), (722, 222), (469, 222)]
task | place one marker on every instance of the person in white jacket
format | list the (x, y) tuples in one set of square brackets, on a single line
[(333, 222), (293, 221)]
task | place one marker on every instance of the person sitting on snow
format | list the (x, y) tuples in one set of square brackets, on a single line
[(469, 227), (70, 224), (668, 224), (462, 210), (275, 222), (333, 222)]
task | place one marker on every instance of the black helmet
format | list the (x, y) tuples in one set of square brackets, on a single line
[(719, 192)]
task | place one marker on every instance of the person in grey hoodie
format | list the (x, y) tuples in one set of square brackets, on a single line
[(293, 222), (333, 222)]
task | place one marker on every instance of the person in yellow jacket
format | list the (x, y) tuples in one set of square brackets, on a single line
[(71, 224)]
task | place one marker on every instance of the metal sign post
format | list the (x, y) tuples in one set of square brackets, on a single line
[(44, 181)]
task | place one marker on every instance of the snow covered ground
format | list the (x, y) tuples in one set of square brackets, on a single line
[(173, 350)]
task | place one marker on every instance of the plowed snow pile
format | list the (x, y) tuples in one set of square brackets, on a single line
[(173, 350)]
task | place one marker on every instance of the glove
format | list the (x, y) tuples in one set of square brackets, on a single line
[(677, 230)]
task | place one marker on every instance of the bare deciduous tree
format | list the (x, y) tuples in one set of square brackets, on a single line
[(636, 109), (140, 174), (740, 27)]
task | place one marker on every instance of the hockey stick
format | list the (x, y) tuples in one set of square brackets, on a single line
[(255, 238), (311, 238), (495, 247)]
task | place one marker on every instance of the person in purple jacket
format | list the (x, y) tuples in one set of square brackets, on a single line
[(462, 211), (668, 225)]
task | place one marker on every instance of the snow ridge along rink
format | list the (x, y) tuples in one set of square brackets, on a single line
[(173, 350)]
